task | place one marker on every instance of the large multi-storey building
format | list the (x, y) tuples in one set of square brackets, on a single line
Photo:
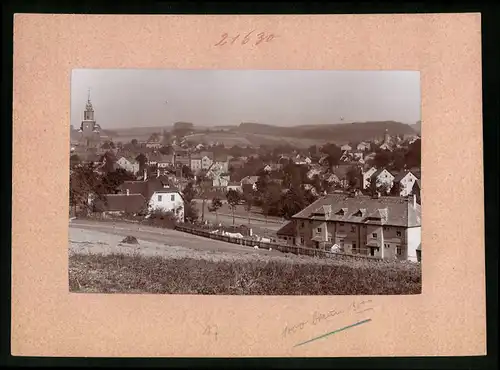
[(384, 227)]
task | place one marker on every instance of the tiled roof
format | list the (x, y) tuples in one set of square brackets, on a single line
[(208, 154), (146, 188), (132, 203), (288, 229), (395, 211)]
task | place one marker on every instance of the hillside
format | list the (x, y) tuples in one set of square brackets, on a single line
[(263, 134), (417, 127), (338, 133)]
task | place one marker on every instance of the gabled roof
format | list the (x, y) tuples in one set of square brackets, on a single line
[(132, 203), (207, 154), (378, 172), (394, 211), (401, 175), (288, 229)]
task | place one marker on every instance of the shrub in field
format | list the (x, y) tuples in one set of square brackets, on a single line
[(130, 240)]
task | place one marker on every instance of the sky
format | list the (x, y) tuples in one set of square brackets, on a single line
[(124, 98)]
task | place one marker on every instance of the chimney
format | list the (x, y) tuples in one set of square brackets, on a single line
[(414, 201), (145, 174), (157, 172), (128, 192)]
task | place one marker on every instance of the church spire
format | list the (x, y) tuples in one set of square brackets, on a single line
[(88, 114)]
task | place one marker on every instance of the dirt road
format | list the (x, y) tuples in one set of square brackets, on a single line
[(163, 236)]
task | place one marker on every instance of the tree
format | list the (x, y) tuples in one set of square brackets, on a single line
[(204, 185), (262, 183), (190, 212), (333, 153), (84, 182), (134, 142), (382, 159), (316, 182), (353, 176), (112, 180), (248, 198), (109, 161), (142, 159), (414, 154), (186, 172), (189, 192), (216, 204), (293, 202), (233, 198), (154, 137)]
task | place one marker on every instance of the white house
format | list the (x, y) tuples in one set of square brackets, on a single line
[(130, 165), (236, 186), (165, 161), (363, 146), (220, 181), (196, 163), (383, 177), (206, 161), (168, 200), (346, 147), (405, 181), (302, 160), (386, 146)]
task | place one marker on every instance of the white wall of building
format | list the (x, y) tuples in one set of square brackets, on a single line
[(414, 238), (167, 202)]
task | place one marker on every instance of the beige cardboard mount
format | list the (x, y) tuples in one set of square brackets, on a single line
[(447, 319)]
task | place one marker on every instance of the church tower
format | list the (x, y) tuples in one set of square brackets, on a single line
[(89, 129), (88, 114)]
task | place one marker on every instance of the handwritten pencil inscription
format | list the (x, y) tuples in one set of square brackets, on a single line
[(253, 38), (320, 317), (212, 331)]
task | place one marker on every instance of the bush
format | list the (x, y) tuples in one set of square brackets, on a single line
[(130, 240), (160, 218)]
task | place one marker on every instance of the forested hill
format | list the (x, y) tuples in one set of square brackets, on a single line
[(345, 132)]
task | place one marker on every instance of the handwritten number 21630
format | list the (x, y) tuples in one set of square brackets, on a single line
[(260, 37)]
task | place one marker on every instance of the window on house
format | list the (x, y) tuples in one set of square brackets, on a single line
[(386, 228), (319, 229), (341, 224), (398, 233), (353, 228), (374, 235), (398, 250), (172, 197), (302, 240)]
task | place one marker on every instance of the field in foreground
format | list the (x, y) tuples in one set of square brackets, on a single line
[(120, 273)]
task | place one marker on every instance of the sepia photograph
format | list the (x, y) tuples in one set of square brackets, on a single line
[(245, 182)]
